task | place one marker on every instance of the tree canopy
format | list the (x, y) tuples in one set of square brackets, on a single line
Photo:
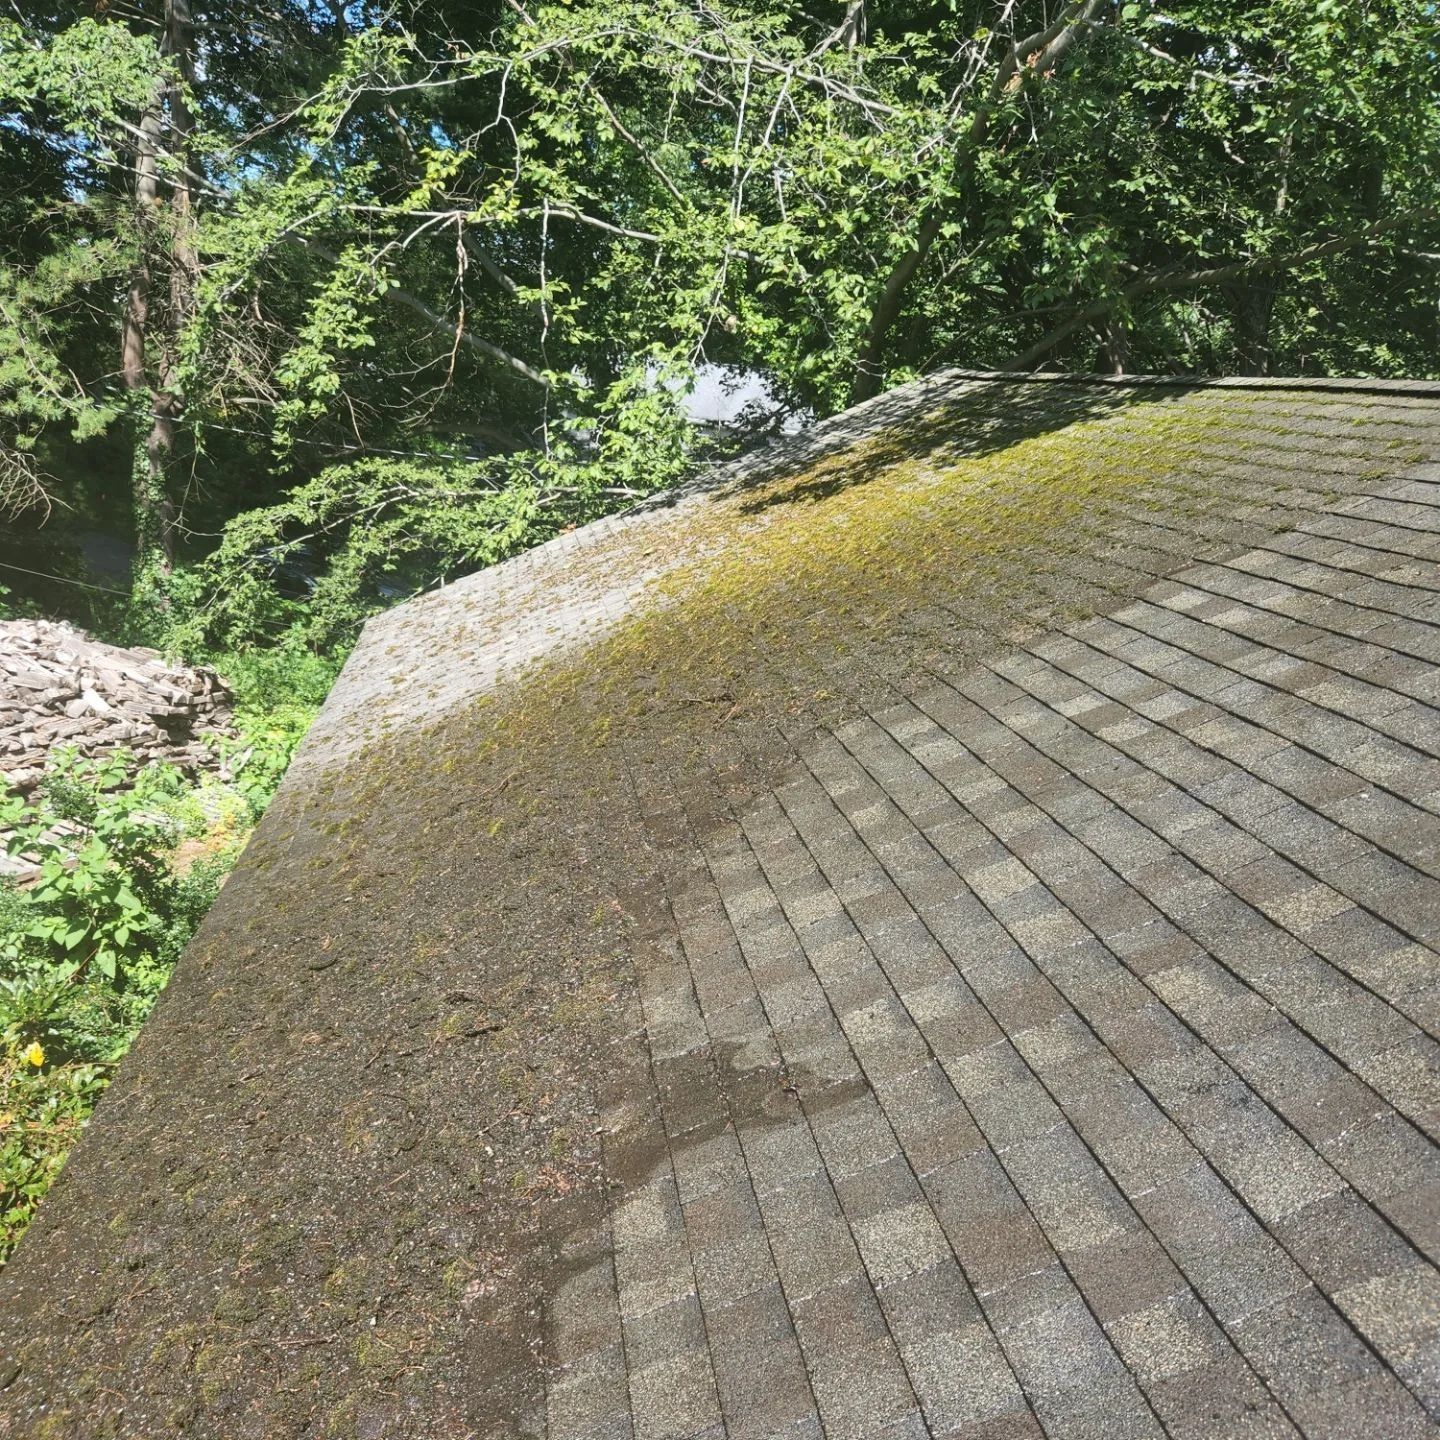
[(418, 285)]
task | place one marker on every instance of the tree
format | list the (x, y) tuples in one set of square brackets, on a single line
[(101, 267), (153, 319), (1130, 155), (507, 233)]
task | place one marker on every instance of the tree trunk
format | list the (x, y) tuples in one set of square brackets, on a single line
[(1114, 354), (869, 365), (1253, 305), (154, 317), (135, 328)]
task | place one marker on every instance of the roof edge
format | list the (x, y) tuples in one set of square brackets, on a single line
[(1339, 384), (806, 447)]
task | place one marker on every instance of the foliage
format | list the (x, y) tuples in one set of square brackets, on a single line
[(86, 950), (46, 1103), (472, 238), (106, 899), (363, 535), (279, 689), (12, 607)]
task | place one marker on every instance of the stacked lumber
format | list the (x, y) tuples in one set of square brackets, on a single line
[(58, 687)]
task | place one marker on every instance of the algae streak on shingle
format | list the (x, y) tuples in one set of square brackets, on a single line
[(523, 829), (409, 1033), (794, 598)]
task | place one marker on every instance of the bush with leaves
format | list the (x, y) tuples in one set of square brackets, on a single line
[(86, 948), (108, 899), (363, 535)]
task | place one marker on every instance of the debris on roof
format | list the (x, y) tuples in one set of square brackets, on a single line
[(930, 932)]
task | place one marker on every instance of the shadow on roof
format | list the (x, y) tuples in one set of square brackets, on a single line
[(915, 424)]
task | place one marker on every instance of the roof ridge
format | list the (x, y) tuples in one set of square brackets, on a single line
[(1361, 385), (845, 426)]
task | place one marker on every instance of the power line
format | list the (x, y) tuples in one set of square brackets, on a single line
[(63, 579)]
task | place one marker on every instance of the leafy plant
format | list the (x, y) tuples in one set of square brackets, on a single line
[(86, 950), (106, 896), (45, 1107)]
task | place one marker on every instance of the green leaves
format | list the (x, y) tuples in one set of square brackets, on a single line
[(468, 234), (95, 75), (378, 530), (97, 852), (44, 1111), (85, 951), (341, 320)]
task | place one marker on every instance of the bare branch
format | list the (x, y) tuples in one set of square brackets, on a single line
[(650, 162), (22, 488), (1235, 82)]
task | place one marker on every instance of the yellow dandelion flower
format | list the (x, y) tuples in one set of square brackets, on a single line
[(35, 1055)]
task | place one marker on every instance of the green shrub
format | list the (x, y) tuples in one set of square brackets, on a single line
[(46, 1106), (108, 898), (85, 952)]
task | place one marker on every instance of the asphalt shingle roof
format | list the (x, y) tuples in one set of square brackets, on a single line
[(1005, 838)]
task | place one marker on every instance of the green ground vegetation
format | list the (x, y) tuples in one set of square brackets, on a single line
[(130, 859)]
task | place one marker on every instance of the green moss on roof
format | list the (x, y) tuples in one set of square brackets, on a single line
[(417, 986), (905, 549)]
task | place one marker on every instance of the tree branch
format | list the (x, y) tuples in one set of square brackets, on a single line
[(1178, 278), (650, 162), (1042, 50), (413, 302)]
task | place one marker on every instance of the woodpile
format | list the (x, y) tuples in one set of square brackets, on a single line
[(60, 688)]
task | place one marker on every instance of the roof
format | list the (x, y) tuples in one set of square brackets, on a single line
[(930, 932)]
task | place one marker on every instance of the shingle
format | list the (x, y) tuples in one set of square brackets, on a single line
[(759, 1370), (779, 1155), (1361, 1409), (853, 1135), (706, 1162), (964, 1381), (591, 1398), (652, 1273), (583, 1315), (856, 1372), (1407, 1074), (1220, 1402), (1168, 1338), (810, 1239), (1065, 1019), (1061, 1349), (900, 1242), (988, 1227), (1303, 1345), (1341, 1241), (1399, 1314), (675, 1396)]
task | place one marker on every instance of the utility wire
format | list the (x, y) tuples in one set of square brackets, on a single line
[(63, 579)]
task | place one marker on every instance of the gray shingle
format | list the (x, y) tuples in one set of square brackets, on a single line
[(1048, 1053)]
